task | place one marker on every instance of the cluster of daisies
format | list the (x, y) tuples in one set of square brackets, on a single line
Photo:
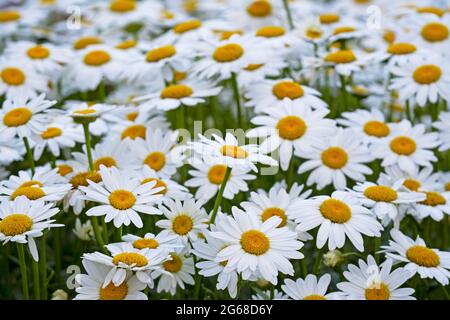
[(216, 149)]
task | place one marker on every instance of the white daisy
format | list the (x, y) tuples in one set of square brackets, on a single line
[(310, 288), (121, 197), (22, 220), (436, 205), (372, 282), (338, 216), (427, 262), (163, 241)]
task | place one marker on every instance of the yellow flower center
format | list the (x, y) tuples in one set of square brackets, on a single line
[(85, 111), (259, 9), (291, 127), (64, 169), (130, 259), (423, 256), (9, 16), (253, 67), (134, 131), (434, 199), (31, 192), (340, 56), (132, 116), (122, 199), (376, 128), (381, 193), (122, 6), (287, 89), (85, 42), (433, 10), (216, 174), (314, 297), (255, 242), (378, 291), (38, 52), (176, 91), (225, 35), (275, 212), (145, 243), (111, 292), (51, 132), (15, 224), (227, 53), (427, 74), (182, 224), (389, 36), (179, 76), (161, 53), (403, 145), (106, 161), (412, 184), (127, 44), (155, 160), (173, 265), (335, 210), (447, 187), (344, 29), (401, 48), (17, 117), (97, 58), (190, 5), (435, 32), (270, 32), (13, 76), (313, 32), (159, 184), (81, 179), (234, 152), (334, 157), (328, 18), (187, 26)]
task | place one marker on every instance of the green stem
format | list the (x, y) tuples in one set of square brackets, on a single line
[(119, 233), (87, 139), (43, 265), (57, 248), (408, 111), (290, 174), (316, 267), (23, 271), (97, 234), (445, 233), (36, 287), (29, 154), (105, 231), (343, 94), (376, 247), (237, 98), (288, 14), (220, 195), (101, 91)]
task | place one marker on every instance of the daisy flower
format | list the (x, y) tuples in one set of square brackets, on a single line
[(45, 58), (276, 37), (265, 295), (334, 158), (83, 111), (189, 93), (346, 61), (84, 231), (368, 281), (22, 220), (291, 127), (252, 14), (121, 197), (271, 66), (209, 267), (338, 216), (60, 134), (90, 67), (256, 246), (229, 152), (18, 79), (369, 124), (136, 127), (436, 205), (91, 285), (222, 58), (443, 126), (272, 94), (423, 179), (386, 198), (422, 80), (124, 258), (186, 219), (208, 178), (419, 259), (310, 288), (45, 184), (407, 146), (432, 31), (24, 117), (158, 151), (163, 241), (175, 272)]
